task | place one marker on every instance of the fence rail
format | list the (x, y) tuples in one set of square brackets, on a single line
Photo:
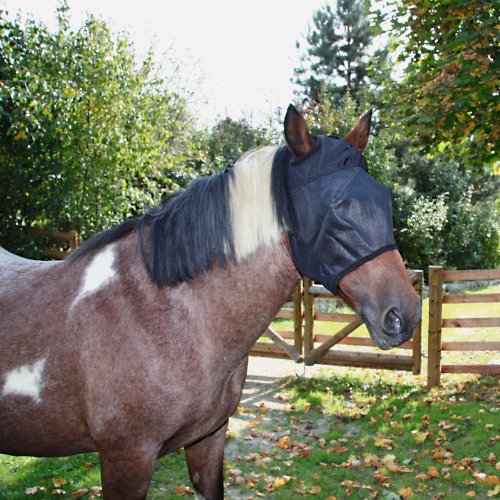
[(437, 297), (71, 239)]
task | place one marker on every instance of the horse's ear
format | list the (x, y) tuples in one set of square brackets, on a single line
[(297, 134), (358, 136)]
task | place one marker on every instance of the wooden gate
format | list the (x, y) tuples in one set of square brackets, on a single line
[(437, 277), (280, 347), (313, 347), (324, 353)]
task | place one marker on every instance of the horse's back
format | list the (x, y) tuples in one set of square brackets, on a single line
[(11, 265)]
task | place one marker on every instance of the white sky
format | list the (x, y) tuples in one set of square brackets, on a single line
[(238, 56)]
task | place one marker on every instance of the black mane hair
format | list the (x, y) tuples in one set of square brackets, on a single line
[(191, 231)]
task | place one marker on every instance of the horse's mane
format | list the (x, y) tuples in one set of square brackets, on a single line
[(192, 231)]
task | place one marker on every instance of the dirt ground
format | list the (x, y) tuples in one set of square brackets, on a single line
[(266, 377)]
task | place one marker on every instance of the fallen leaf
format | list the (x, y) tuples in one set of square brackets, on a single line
[(31, 491), (420, 436), (284, 443), (489, 480), (422, 477), (494, 492), (58, 481), (432, 471), (381, 441), (405, 492), (80, 493), (371, 460), (181, 490), (304, 452)]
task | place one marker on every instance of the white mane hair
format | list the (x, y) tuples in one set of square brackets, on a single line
[(253, 215)]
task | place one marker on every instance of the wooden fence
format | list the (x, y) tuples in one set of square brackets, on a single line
[(437, 277), (69, 239), (281, 347)]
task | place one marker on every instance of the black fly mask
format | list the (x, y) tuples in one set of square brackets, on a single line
[(343, 216)]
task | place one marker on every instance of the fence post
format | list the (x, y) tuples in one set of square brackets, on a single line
[(435, 325), (417, 336), (74, 239), (298, 317), (308, 318)]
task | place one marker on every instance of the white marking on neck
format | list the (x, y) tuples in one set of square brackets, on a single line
[(25, 380), (253, 215), (99, 273)]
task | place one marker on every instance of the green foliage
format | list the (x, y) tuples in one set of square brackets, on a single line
[(450, 91), (88, 137), (442, 215), (229, 139)]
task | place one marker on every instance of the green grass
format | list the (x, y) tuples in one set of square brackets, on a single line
[(347, 433), (374, 435), (356, 434)]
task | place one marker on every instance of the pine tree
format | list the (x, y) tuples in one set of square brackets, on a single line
[(338, 52)]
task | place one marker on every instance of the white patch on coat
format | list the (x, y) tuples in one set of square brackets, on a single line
[(25, 380), (99, 273), (253, 215)]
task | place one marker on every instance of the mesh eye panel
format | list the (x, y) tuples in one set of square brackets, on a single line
[(343, 216)]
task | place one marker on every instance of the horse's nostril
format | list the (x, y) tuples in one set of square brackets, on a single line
[(392, 322)]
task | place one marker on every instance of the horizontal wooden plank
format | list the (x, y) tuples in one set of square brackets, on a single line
[(472, 275), (319, 291), (285, 314), (268, 350), (338, 317), (364, 359), (471, 298), (490, 369), (470, 322), (359, 341), (470, 346), (55, 254)]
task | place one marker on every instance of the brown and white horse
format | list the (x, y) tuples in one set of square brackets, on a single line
[(137, 345)]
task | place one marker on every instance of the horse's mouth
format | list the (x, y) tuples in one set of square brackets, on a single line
[(391, 331)]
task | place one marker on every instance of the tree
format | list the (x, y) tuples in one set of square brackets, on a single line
[(450, 91), (229, 139), (443, 214), (88, 137), (339, 52)]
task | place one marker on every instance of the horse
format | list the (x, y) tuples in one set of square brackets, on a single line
[(137, 344)]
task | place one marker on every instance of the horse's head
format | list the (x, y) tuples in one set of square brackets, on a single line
[(342, 233)]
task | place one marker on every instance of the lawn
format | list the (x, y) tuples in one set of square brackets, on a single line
[(346, 433)]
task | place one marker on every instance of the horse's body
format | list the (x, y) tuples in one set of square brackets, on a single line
[(97, 356), (125, 390)]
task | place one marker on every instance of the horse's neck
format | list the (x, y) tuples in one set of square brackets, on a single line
[(246, 297)]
